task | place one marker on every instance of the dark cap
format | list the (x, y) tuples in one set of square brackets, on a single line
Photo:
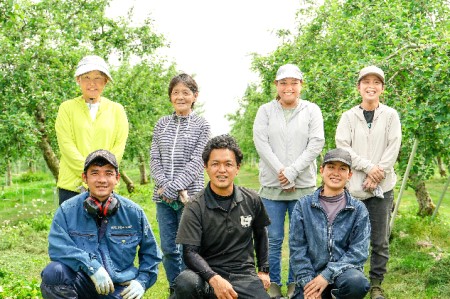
[(338, 154), (101, 154)]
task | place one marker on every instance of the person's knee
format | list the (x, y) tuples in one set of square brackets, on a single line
[(187, 282), (57, 273), (355, 284)]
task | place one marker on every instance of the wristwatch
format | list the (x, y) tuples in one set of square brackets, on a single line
[(264, 269)]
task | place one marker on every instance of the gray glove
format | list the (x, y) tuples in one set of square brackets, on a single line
[(133, 291), (102, 281)]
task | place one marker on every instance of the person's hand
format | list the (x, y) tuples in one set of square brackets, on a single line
[(184, 197), (102, 281), (160, 192), (315, 287), (265, 278), (376, 174), (283, 180), (222, 288), (369, 185), (133, 291)]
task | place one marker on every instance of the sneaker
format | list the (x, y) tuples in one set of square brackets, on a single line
[(290, 290), (274, 291), (376, 292)]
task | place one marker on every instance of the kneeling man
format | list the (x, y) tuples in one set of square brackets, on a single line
[(94, 238), (329, 236), (220, 231)]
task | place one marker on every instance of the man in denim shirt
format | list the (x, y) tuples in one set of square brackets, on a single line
[(329, 236), (94, 238)]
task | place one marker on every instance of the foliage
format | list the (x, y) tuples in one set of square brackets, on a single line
[(42, 41), (142, 89), (31, 177), (408, 40)]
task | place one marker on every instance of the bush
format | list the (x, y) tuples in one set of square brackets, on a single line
[(29, 177)]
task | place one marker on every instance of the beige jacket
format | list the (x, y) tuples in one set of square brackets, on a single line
[(378, 145)]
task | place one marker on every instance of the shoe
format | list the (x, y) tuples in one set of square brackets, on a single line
[(274, 291), (376, 292), (290, 290)]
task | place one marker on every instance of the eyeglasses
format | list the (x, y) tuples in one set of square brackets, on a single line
[(95, 80)]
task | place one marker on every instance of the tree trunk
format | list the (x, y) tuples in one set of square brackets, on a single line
[(144, 179), (442, 171), (44, 144), (8, 174), (426, 205), (128, 181)]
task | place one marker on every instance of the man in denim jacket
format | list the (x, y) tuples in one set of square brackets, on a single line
[(94, 238), (329, 236)]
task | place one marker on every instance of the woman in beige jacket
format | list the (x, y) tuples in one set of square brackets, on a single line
[(371, 132)]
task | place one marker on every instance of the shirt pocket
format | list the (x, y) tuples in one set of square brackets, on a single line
[(123, 248), (85, 240)]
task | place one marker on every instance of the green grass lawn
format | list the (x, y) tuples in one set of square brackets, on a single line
[(418, 266)]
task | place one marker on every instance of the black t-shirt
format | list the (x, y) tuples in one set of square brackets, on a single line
[(225, 238)]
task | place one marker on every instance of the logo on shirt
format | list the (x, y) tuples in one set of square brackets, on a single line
[(246, 221)]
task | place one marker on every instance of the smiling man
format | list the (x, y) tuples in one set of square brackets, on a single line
[(329, 236), (220, 230), (94, 239)]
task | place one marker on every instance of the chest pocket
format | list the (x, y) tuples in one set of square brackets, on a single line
[(85, 240), (123, 248)]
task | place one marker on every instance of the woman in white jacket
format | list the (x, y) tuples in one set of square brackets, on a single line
[(288, 134), (372, 133)]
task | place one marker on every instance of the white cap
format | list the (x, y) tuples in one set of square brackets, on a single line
[(371, 70), (92, 63), (289, 71)]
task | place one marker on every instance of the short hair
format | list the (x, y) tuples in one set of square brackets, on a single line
[(224, 141), (186, 80)]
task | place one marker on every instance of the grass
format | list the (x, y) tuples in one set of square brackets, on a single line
[(418, 266)]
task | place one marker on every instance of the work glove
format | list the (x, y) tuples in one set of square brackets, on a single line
[(133, 291), (102, 281)]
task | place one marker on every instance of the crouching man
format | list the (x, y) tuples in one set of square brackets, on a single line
[(94, 238), (329, 236), (220, 230)]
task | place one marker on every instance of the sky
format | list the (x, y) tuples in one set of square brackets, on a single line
[(212, 40)]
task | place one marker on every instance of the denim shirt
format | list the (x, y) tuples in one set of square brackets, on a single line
[(318, 248), (74, 241)]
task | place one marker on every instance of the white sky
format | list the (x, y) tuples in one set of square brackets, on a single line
[(212, 40)]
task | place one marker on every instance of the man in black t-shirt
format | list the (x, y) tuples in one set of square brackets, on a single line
[(221, 230)]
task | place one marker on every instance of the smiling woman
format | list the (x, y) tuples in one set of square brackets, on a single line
[(87, 123), (176, 166)]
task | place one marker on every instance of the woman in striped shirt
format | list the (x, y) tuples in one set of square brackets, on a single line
[(177, 166)]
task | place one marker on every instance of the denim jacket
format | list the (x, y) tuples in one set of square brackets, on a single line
[(318, 248), (74, 241)]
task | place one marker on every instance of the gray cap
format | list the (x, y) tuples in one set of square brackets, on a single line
[(289, 71), (338, 154), (371, 70), (101, 154), (92, 63)]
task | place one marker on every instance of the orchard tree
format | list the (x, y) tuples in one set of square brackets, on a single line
[(42, 42), (407, 39)]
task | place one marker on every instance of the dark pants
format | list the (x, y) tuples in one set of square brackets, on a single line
[(189, 285), (380, 210), (351, 284), (64, 195), (61, 282)]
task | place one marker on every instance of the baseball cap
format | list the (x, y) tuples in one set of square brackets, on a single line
[(289, 71), (338, 154), (92, 63), (371, 70), (101, 154)]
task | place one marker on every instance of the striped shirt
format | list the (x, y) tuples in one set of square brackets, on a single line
[(176, 154)]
